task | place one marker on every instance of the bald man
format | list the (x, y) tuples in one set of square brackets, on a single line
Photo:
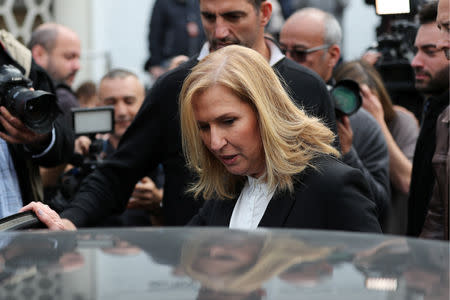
[(56, 49), (123, 90), (317, 35), (312, 38)]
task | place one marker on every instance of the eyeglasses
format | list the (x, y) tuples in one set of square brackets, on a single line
[(299, 55)]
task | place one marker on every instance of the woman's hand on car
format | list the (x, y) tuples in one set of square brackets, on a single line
[(48, 216)]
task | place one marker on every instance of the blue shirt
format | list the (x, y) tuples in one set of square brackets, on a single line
[(10, 197)]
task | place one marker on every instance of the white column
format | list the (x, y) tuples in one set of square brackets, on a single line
[(113, 34), (78, 15)]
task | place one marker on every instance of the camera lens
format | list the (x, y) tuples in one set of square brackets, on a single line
[(36, 109), (346, 97), (345, 100)]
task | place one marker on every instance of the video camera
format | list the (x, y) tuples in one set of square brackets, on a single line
[(36, 109), (88, 122), (395, 42)]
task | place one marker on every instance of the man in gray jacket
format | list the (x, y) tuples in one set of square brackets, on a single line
[(312, 38)]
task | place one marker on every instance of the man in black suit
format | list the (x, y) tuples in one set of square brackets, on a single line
[(154, 135)]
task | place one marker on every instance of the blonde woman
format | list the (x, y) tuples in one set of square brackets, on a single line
[(241, 262), (260, 160)]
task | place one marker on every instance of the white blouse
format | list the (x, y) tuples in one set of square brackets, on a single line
[(251, 205)]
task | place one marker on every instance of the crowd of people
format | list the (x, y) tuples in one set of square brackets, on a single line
[(239, 129)]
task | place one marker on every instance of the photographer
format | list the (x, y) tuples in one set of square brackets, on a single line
[(311, 37), (400, 129), (57, 48), (122, 89), (22, 150)]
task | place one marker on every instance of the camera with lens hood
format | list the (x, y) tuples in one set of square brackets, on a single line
[(36, 109), (346, 97)]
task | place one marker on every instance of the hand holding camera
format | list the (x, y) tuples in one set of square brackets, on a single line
[(82, 144), (345, 133), (88, 125), (26, 116), (17, 133), (372, 104)]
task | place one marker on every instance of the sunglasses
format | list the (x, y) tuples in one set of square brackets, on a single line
[(299, 55)]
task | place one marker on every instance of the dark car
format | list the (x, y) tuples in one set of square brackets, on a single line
[(219, 263)]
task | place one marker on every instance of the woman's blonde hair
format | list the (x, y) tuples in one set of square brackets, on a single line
[(290, 138), (277, 253)]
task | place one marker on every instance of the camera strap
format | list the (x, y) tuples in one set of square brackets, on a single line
[(35, 180), (20, 53)]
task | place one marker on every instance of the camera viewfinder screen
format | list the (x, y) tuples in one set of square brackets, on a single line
[(87, 121), (391, 7)]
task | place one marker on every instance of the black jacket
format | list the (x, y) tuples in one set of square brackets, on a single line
[(168, 35), (422, 177), (154, 137), (332, 197)]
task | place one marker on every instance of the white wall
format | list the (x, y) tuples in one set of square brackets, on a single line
[(359, 24), (121, 29), (112, 32), (77, 16)]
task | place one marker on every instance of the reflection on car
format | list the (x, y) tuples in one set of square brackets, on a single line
[(218, 263)]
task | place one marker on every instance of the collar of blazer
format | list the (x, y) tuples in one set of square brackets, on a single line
[(275, 215)]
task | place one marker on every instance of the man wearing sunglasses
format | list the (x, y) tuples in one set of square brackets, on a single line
[(304, 39), (312, 37)]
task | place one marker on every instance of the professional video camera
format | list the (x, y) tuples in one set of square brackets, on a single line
[(397, 52), (88, 122), (36, 109), (395, 42), (398, 44)]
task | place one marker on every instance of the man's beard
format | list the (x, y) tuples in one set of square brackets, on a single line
[(59, 78), (437, 84)]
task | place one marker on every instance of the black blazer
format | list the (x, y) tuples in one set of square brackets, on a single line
[(333, 196)]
